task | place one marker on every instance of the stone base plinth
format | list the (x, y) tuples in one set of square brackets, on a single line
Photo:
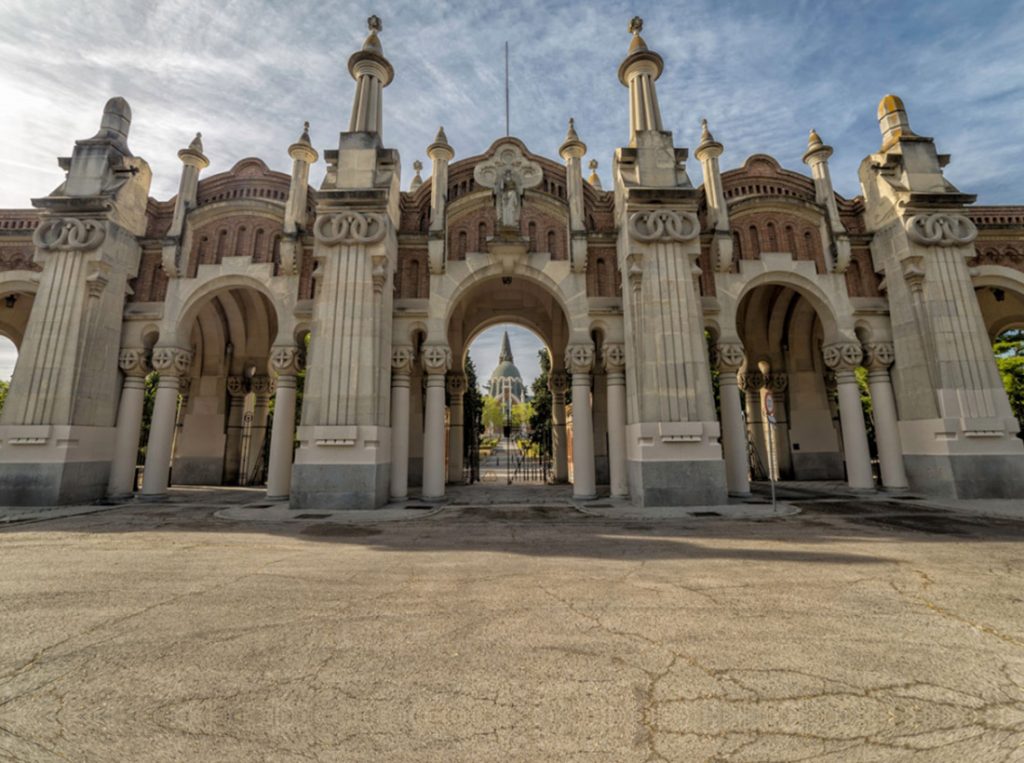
[(197, 471), (677, 483), (966, 477), (340, 486), (53, 484)]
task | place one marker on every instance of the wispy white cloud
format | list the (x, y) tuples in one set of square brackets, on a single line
[(247, 73)]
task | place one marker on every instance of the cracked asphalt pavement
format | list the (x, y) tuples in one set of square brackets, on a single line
[(859, 630)]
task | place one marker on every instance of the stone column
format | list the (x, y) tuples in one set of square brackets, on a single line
[(615, 369), (843, 358), (436, 360), (558, 383), (456, 391), (135, 365), (579, 358), (286, 362), (729, 358), (401, 368), (572, 151), (237, 390), (440, 154), (878, 356), (171, 363), (263, 388), (752, 382)]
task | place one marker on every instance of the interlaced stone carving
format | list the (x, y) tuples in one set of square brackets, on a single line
[(879, 355), (664, 225), (237, 387), (750, 381), (727, 357), (287, 361), (940, 229), (842, 356), (172, 360), (134, 362), (579, 358), (558, 383), (614, 357), (69, 233), (437, 359), (401, 360), (776, 383), (350, 227), (456, 385)]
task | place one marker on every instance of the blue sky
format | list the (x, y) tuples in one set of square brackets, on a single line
[(525, 346), (247, 73)]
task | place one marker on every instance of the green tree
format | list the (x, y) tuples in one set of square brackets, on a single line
[(522, 413), (493, 414), (540, 419), (1009, 351), (4, 386), (472, 408)]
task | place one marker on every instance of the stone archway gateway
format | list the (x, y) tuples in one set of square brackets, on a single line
[(795, 286)]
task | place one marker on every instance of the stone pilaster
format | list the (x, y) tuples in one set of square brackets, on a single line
[(58, 430)]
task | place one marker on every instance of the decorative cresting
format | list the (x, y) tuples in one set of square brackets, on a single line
[(664, 225), (579, 358), (940, 229), (134, 361), (173, 361), (879, 355), (350, 227), (614, 354), (69, 233), (558, 383), (456, 384), (401, 360), (842, 356), (286, 360), (437, 359), (508, 173), (726, 356)]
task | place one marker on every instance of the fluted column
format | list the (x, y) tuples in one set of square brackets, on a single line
[(372, 73), (708, 152), (135, 365), (878, 357), (729, 358), (436, 361), (558, 383), (638, 72), (401, 369), (171, 363), (193, 162), (843, 358), (286, 362), (615, 375), (456, 391), (816, 157), (440, 154), (579, 359), (572, 151)]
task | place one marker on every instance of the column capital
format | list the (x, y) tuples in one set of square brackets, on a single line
[(456, 384), (558, 382), (727, 356), (878, 356), (401, 360), (776, 383), (134, 361), (751, 381), (287, 360), (437, 359), (842, 356), (172, 361), (579, 358), (262, 384), (237, 387), (614, 356)]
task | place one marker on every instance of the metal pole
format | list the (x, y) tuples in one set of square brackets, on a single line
[(506, 91)]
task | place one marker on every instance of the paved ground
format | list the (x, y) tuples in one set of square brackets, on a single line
[(855, 631)]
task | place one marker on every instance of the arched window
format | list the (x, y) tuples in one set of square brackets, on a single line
[(755, 242), (773, 239), (257, 245), (551, 243), (791, 242), (532, 233), (412, 289), (602, 276), (810, 246), (737, 245), (462, 245), (222, 246), (481, 237)]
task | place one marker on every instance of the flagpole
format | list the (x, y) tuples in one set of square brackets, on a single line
[(506, 90)]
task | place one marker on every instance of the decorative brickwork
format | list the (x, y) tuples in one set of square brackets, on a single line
[(603, 278), (412, 276), (757, 232)]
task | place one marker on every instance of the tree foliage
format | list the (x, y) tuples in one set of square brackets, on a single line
[(4, 386), (1009, 351)]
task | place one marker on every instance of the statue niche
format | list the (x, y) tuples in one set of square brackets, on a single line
[(508, 173)]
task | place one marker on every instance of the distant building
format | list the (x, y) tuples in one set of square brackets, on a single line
[(506, 382)]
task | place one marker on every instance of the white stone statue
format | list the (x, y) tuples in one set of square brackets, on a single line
[(507, 200)]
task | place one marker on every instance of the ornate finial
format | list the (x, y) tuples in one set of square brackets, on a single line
[(813, 140), (197, 143), (305, 126), (416, 181), (374, 24), (705, 133), (594, 180), (636, 25), (418, 166), (304, 138), (572, 142), (441, 137), (593, 165)]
